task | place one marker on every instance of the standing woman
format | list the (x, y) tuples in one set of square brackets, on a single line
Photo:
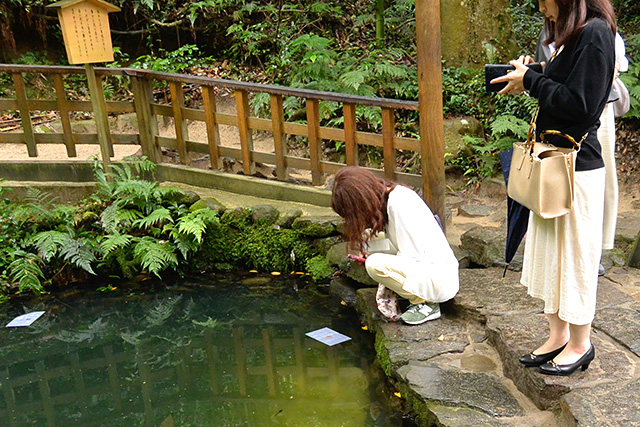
[(562, 254), (422, 267)]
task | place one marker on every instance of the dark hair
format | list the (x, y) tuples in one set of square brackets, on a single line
[(573, 15), (360, 198)]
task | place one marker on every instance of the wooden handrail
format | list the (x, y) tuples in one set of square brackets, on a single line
[(229, 84)]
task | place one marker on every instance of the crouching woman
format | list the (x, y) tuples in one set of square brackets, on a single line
[(418, 263)]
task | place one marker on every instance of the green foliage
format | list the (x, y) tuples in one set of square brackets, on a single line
[(176, 61), (128, 226)]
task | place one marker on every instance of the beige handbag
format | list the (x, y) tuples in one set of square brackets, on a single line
[(541, 175)]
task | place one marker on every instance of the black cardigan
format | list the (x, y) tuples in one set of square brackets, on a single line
[(574, 88)]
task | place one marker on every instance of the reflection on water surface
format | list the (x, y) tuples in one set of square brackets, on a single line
[(229, 352)]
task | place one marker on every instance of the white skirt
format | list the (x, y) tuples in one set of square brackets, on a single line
[(607, 138), (561, 255)]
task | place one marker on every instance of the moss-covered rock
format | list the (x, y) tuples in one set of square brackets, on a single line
[(264, 214), (323, 245), (208, 202), (238, 218), (315, 226), (287, 219)]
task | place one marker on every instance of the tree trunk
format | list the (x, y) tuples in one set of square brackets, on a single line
[(379, 23)]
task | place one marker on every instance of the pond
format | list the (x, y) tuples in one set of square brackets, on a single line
[(222, 351)]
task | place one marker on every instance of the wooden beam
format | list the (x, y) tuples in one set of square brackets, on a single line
[(177, 103), (99, 106), (147, 124), (246, 140), (279, 141), (430, 98), (213, 131), (315, 145), (63, 107), (350, 131), (388, 132), (27, 126)]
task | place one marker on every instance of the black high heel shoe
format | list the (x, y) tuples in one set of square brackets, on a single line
[(533, 360), (553, 368)]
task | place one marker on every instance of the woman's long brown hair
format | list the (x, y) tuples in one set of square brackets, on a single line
[(360, 198), (573, 15)]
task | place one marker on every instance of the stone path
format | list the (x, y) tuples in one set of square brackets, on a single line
[(462, 369)]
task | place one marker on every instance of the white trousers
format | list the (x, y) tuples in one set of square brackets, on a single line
[(607, 138), (391, 271)]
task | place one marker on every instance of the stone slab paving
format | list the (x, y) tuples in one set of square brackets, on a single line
[(463, 369)]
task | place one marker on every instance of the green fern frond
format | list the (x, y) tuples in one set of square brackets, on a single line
[(195, 223), (162, 311), (155, 218), (353, 79), (387, 69), (508, 124), (80, 253), (48, 243), (154, 255), (184, 243), (127, 216), (115, 241), (26, 270)]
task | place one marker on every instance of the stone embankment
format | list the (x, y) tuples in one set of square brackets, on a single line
[(463, 369)]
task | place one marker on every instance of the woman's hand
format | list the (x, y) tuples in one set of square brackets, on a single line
[(515, 78)]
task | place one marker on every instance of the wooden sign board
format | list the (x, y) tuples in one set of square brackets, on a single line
[(85, 29)]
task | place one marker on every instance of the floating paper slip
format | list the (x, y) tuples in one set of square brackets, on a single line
[(328, 336), (25, 319)]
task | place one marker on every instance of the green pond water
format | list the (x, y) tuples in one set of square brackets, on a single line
[(224, 351)]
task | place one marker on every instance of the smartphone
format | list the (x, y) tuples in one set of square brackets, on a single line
[(492, 71), (356, 257)]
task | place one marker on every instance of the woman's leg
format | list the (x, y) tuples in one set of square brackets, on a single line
[(558, 334), (390, 271), (579, 344)]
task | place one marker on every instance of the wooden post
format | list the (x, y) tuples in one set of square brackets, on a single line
[(147, 125), (350, 129), (430, 93), (25, 116), (177, 102), (269, 362), (63, 107), (279, 142), (388, 132), (213, 132), (45, 394), (315, 146), (246, 140), (114, 383), (100, 116)]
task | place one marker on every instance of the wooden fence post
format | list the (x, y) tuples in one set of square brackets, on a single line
[(246, 140), (99, 106), (63, 107), (147, 124), (279, 142), (350, 129), (177, 102), (25, 116), (315, 146), (388, 132), (430, 93), (213, 132)]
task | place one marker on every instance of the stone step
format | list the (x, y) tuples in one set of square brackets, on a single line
[(448, 372)]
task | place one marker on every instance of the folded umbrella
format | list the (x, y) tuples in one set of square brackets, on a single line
[(517, 215)]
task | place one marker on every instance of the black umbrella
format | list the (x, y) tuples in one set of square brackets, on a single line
[(517, 215)]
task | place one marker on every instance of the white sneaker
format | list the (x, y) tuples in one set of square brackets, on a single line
[(420, 313)]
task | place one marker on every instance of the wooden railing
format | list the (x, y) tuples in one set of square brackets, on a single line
[(147, 112)]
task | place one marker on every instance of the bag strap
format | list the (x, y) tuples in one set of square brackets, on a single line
[(576, 145)]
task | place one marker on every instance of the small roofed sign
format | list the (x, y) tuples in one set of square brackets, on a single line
[(85, 29)]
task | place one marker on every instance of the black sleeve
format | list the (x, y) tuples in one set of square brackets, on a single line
[(579, 98)]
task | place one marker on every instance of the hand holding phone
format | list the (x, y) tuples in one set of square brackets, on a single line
[(356, 258), (493, 71)]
